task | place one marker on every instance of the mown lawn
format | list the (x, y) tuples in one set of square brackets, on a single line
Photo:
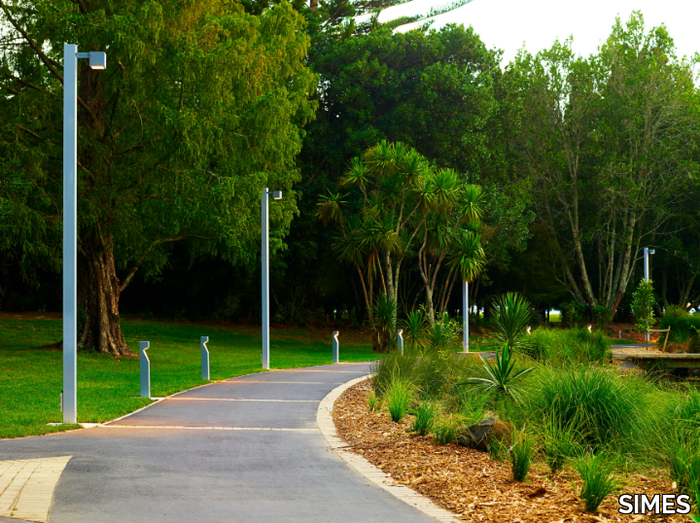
[(31, 378)]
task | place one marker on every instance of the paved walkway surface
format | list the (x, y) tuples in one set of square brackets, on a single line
[(244, 450)]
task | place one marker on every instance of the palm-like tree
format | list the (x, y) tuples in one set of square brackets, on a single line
[(467, 258)]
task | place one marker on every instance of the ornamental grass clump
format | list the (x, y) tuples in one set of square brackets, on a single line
[(425, 418), (373, 402), (560, 443), (445, 430), (592, 400), (521, 454), (398, 399), (598, 480)]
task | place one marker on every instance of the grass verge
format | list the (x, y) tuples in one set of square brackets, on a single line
[(31, 378)]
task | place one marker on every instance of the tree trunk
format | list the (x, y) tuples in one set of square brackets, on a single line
[(102, 331)]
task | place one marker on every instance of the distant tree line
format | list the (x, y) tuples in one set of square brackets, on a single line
[(578, 162)]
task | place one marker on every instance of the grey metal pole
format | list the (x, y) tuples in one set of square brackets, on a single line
[(336, 347), (399, 335), (265, 281), (145, 367), (646, 278), (70, 230), (465, 315), (205, 357)]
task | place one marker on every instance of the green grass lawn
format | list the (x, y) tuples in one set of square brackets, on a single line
[(31, 378)]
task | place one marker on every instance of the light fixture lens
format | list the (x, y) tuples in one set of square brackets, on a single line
[(98, 60), (276, 195), (652, 251)]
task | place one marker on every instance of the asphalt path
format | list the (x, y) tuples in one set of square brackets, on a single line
[(244, 450)]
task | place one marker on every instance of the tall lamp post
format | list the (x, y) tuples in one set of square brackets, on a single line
[(647, 273), (276, 195), (465, 315), (98, 61)]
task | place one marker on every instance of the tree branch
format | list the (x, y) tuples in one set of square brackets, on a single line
[(140, 261)]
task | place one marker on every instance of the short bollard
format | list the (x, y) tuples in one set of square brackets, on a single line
[(336, 347), (205, 357), (145, 369), (400, 340)]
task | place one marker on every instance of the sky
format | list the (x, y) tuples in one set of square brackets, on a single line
[(510, 24)]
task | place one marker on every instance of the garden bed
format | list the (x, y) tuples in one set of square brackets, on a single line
[(471, 484)]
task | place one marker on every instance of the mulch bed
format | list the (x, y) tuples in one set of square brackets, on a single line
[(470, 484)]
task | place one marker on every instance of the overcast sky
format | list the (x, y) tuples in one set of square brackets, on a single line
[(510, 24)]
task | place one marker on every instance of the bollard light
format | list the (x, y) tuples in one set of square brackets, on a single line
[(205, 357), (145, 368), (336, 347)]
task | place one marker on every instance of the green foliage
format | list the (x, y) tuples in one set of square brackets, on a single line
[(445, 430), (398, 399), (572, 313), (424, 418), (602, 316), (109, 387), (200, 108), (511, 317), (444, 335), (502, 374), (384, 323), (414, 331), (564, 347), (598, 480), (497, 449), (373, 402), (560, 443), (643, 302), (521, 454), (684, 329), (593, 401)]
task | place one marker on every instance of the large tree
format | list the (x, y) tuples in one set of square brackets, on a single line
[(609, 142), (199, 110)]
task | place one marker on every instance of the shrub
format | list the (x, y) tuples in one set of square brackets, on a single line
[(398, 399), (521, 454), (373, 402), (497, 450), (425, 418), (602, 316), (684, 330), (472, 405), (643, 301), (572, 313), (598, 481), (594, 401), (391, 368), (384, 324), (444, 335), (560, 443), (567, 346), (501, 374), (511, 316), (445, 430), (414, 329)]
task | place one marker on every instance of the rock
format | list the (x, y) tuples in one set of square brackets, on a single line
[(480, 435)]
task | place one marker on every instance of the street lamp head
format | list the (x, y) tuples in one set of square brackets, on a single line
[(276, 195), (98, 60), (652, 251)]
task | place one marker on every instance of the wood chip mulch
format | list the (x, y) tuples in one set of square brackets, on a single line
[(470, 484)]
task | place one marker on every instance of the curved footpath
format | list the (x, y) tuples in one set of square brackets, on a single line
[(243, 450)]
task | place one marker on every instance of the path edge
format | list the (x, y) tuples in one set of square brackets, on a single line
[(324, 420)]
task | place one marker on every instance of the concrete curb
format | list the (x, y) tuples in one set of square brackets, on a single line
[(324, 419)]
